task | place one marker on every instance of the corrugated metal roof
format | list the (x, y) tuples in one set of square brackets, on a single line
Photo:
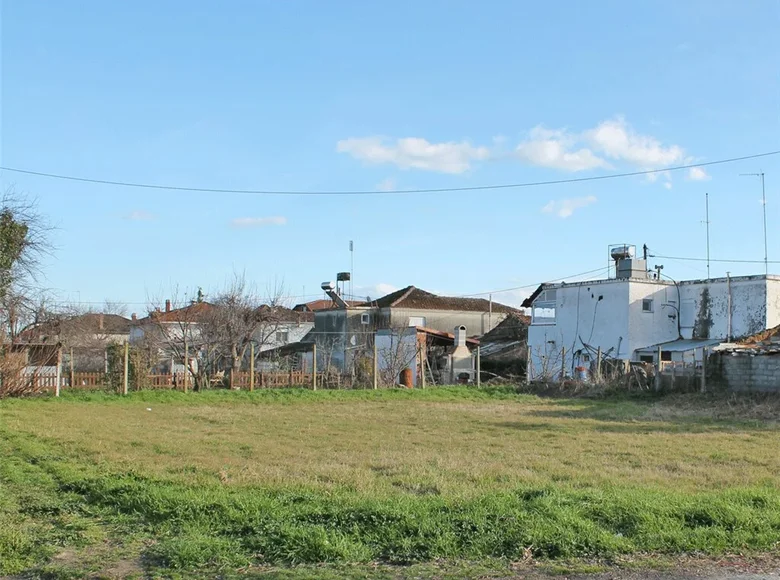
[(682, 345)]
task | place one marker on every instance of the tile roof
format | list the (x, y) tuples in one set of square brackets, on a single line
[(322, 304), (412, 297), (90, 323)]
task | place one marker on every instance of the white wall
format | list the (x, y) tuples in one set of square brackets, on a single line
[(266, 336), (649, 328), (476, 323), (394, 349), (773, 303), (593, 313), (705, 307)]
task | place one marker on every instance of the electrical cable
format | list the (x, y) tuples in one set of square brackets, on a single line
[(389, 192)]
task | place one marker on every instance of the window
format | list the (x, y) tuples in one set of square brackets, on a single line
[(282, 337), (543, 309), (365, 318), (417, 321), (666, 356), (647, 305), (646, 358)]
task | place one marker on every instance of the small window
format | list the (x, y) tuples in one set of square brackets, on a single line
[(417, 321), (365, 318), (646, 358), (647, 305), (666, 356), (282, 337)]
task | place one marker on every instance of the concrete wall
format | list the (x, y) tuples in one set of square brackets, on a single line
[(395, 351), (339, 334), (476, 323), (747, 373), (773, 303), (704, 310), (594, 313)]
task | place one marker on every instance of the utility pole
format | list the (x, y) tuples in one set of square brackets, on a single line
[(760, 175), (707, 223)]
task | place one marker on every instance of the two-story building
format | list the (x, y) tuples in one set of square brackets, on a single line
[(346, 329), (636, 313)]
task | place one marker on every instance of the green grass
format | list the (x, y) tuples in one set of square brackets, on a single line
[(273, 480)]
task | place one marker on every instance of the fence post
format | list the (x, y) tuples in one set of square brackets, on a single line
[(290, 380), (376, 365), (563, 363), (529, 366), (479, 369), (314, 366), (703, 370), (251, 366), (72, 374), (126, 368), (658, 371), (58, 376), (598, 365), (186, 363)]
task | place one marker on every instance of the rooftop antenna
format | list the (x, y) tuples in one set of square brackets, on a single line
[(760, 175)]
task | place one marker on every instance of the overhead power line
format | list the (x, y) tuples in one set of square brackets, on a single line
[(535, 285), (714, 260), (374, 192)]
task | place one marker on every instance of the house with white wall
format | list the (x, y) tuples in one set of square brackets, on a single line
[(636, 313), (347, 329)]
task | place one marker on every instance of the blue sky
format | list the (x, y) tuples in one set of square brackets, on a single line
[(309, 95)]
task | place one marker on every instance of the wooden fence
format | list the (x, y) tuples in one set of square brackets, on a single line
[(46, 381)]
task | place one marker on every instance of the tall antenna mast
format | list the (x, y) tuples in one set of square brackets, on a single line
[(707, 222), (760, 175), (351, 268)]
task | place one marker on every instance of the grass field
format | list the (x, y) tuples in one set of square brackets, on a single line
[(167, 483)]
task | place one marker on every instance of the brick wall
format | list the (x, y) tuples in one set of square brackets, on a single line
[(743, 372)]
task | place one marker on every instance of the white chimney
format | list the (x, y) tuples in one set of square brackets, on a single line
[(461, 361), (460, 336)]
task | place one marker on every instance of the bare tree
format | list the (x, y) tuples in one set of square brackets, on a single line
[(240, 318), (398, 353), (23, 242)]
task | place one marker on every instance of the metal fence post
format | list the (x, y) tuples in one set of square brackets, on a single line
[(529, 366), (376, 365), (479, 368), (658, 371)]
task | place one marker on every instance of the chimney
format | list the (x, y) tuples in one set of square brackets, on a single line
[(460, 336), (167, 306), (100, 321)]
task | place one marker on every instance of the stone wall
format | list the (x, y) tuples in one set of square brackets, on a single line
[(743, 372)]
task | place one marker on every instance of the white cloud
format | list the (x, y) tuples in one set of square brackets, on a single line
[(386, 185), (611, 144), (564, 208), (617, 140), (551, 148), (668, 185), (258, 222), (414, 153), (140, 216), (698, 174)]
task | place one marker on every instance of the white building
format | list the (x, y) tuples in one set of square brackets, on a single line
[(633, 314)]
